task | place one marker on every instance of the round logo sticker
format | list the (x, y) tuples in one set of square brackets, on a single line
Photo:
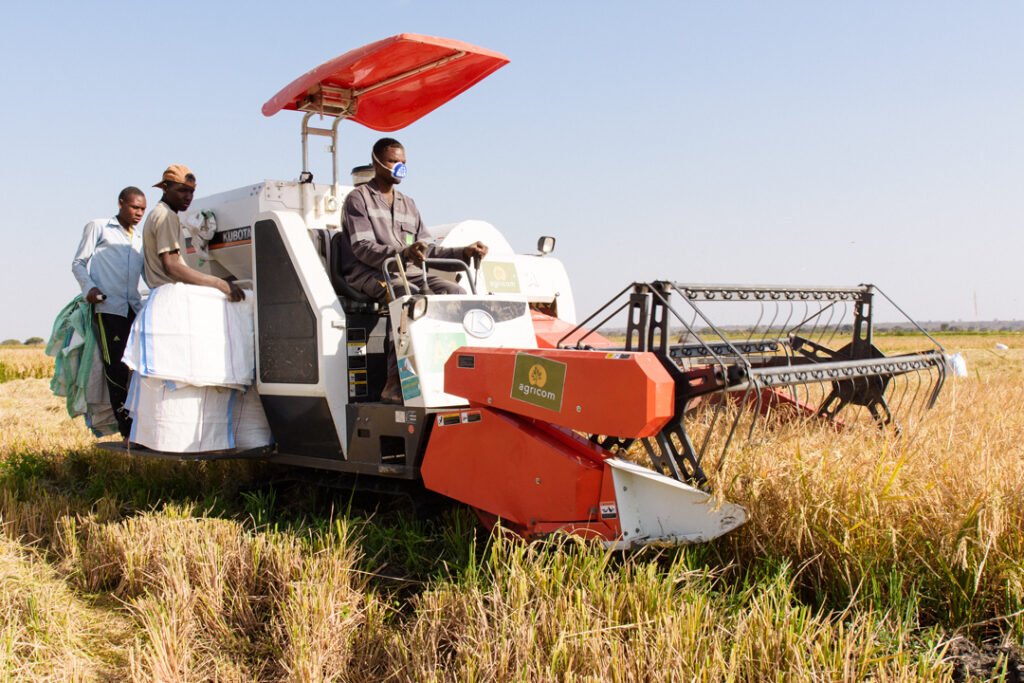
[(538, 376)]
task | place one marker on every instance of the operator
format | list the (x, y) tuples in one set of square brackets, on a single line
[(161, 244), (107, 266), (381, 222)]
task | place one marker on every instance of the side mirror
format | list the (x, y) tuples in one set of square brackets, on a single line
[(546, 245)]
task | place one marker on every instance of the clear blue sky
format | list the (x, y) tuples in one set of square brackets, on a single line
[(782, 142)]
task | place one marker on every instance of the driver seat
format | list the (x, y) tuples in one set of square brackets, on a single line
[(353, 301)]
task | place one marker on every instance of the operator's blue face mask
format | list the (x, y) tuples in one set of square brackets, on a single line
[(398, 171)]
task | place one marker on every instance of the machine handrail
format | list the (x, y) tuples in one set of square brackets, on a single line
[(450, 263)]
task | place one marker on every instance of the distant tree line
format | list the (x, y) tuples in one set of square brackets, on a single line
[(31, 341)]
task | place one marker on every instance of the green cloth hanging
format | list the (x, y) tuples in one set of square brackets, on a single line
[(73, 344)]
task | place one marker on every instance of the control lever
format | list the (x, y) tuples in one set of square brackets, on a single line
[(426, 288), (476, 270)]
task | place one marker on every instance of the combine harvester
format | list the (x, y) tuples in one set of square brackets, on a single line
[(509, 406)]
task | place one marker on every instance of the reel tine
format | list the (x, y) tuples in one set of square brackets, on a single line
[(753, 419), (790, 353), (932, 376), (693, 325), (821, 322), (923, 405), (916, 389), (754, 329), (910, 391), (732, 431), (940, 379), (824, 391), (913, 395), (898, 389), (835, 310), (771, 326), (815, 319), (787, 331), (711, 428), (803, 321), (843, 309), (810, 400), (938, 375)]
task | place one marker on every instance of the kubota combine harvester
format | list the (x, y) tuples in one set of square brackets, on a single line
[(510, 406)]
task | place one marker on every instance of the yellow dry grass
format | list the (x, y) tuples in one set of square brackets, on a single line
[(20, 362), (47, 631), (938, 511), (863, 556), (215, 601), (33, 420)]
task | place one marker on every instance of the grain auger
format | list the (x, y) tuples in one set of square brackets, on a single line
[(809, 354)]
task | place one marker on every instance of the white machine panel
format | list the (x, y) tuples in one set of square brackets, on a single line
[(540, 279), (235, 211), (445, 323)]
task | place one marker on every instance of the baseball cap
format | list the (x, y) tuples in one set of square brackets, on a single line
[(178, 173)]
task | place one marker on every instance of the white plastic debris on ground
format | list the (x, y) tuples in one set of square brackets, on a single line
[(957, 364), (193, 354), (1001, 347)]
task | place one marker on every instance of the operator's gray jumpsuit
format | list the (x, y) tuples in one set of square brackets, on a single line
[(377, 231)]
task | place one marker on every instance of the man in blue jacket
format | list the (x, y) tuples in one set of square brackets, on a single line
[(107, 265)]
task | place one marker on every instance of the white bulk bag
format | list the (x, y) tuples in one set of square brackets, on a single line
[(193, 335), (180, 418)]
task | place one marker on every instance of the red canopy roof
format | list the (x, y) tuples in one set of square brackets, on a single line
[(391, 83)]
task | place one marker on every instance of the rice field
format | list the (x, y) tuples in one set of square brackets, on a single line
[(19, 362), (866, 557)]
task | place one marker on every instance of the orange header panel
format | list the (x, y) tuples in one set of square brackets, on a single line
[(619, 394), (550, 331), (411, 94), (516, 469)]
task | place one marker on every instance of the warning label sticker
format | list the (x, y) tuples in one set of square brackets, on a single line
[(609, 511), (448, 419), (460, 418)]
